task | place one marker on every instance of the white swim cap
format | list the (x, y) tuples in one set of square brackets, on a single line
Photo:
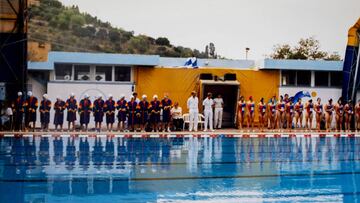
[(29, 93), (19, 93), (72, 94), (144, 96), (45, 96), (122, 96), (86, 96), (155, 96)]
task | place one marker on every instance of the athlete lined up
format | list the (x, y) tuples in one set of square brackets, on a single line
[(285, 113)]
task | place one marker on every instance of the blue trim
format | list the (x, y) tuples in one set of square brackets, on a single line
[(317, 65), (94, 58)]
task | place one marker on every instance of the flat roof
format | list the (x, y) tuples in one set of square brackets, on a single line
[(94, 58), (171, 62), (211, 63), (286, 64)]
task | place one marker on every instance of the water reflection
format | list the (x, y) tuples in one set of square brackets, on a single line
[(54, 167)]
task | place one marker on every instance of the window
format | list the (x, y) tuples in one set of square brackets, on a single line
[(336, 79), (288, 77), (103, 73), (63, 71), (82, 72), (321, 79), (122, 73), (303, 78)]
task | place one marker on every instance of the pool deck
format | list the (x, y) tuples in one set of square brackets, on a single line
[(199, 134)]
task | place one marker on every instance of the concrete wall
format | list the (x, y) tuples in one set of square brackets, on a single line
[(38, 51)]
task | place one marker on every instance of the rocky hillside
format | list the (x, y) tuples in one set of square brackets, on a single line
[(67, 29)]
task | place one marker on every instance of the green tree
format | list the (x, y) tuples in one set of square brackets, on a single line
[(77, 20), (333, 57), (162, 41), (114, 35), (306, 49), (139, 43), (283, 51)]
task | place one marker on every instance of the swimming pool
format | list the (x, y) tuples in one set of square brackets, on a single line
[(221, 169)]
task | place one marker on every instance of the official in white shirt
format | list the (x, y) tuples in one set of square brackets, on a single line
[(193, 106), (219, 104), (208, 104)]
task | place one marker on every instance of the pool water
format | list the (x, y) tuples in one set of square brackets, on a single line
[(49, 169)]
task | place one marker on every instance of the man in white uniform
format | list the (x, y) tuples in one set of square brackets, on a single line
[(193, 106), (219, 104), (208, 104)]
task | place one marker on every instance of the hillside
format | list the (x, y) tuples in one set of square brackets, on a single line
[(67, 29)]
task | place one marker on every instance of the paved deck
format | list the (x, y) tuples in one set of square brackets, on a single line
[(186, 134)]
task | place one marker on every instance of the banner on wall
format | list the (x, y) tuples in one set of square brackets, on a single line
[(191, 62)]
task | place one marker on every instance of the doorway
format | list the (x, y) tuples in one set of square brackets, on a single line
[(229, 93)]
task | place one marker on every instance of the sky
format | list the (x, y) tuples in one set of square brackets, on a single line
[(232, 25)]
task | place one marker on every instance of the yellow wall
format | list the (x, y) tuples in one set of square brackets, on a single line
[(180, 82), (38, 51)]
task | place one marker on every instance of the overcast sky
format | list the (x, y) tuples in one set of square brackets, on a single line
[(232, 25)]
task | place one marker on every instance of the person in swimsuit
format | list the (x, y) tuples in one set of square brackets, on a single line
[(262, 114), (286, 100), (280, 113), (309, 107), (299, 107), (349, 112), (241, 112), (319, 112), (250, 113), (329, 108), (272, 113), (357, 115), (289, 109), (339, 110)]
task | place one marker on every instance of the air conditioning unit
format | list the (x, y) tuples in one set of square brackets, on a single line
[(206, 76), (230, 76), (67, 77), (100, 77), (83, 77)]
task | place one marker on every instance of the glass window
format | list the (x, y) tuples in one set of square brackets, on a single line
[(303, 78), (321, 78), (122, 73), (288, 77), (82, 72), (336, 79), (63, 71), (103, 73)]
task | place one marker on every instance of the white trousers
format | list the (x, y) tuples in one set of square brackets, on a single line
[(208, 119), (218, 117), (194, 117)]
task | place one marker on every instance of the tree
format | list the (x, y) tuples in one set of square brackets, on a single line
[(162, 41), (212, 53), (282, 52), (333, 57), (306, 49), (114, 35), (102, 33), (207, 51)]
